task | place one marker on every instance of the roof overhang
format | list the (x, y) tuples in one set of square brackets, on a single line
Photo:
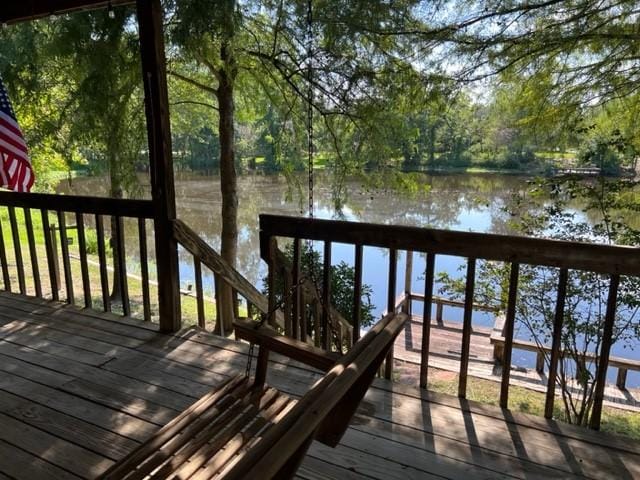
[(15, 11)]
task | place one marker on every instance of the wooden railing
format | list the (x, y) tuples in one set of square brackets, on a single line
[(204, 255), (40, 223), (612, 261), (497, 339)]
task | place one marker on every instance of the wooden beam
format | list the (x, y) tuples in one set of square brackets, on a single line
[(79, 204), (154, 77), (536, 251), (25, 10)]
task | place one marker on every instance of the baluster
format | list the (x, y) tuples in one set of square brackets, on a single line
[(66, 262), (17, 249), (605, 350), (391, 305), (326, 296), (357, 294), (122, 266), (33, 253), (144, 268), (466, 327), (236, 303), (51, 254), (508, 334), (555, 344), (102, 260), (3, 258), (250, 309), (299, 327), (271, 282), (317, 313), (84, 266), (408, 272), (286, 301), (426, 319), (217, 289), (197, 266)]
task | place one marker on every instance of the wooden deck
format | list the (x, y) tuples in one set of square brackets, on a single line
[(79, 389), (444, 346)]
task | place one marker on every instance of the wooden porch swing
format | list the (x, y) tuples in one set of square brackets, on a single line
[(245, 429)]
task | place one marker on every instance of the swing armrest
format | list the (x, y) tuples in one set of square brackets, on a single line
[(271, 340)]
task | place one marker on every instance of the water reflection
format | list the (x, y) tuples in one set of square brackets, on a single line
[(458, 202)]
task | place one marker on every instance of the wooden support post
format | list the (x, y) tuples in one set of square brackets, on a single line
[(154, 77), (508, 334), (66, 262), (605, 350), (426, 319), (84, 266), (298, 321), (540, 361), (51, 255), (102, 260), (357, 294), (17, 250), (439, 313), (33, 253), (621, 380), (197, 268), (408, 273), (466, 327), (391, 306), (326, 297), (144, 268), (555, 343)]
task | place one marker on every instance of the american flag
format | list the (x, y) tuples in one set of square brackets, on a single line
[(16, 172)]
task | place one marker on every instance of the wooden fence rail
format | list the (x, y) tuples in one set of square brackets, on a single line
[(611, 261), (47, 236)]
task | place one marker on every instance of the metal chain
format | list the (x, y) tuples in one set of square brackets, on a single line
[(310, 96)]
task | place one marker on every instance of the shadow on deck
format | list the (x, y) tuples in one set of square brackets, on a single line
[(79, 389)]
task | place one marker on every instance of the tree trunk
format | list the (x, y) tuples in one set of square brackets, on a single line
[(115, 192), (228, 182)]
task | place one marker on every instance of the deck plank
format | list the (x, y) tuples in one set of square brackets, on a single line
[(16, 463), (99, 440), (127, 379), (56, 451)]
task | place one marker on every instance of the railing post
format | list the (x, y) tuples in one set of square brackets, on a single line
[(161, 163), (408, 272), (391, 305), (605, 350)]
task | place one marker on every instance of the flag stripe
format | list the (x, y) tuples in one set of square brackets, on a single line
[(11, 123), (5, 126), (11, 150), (19, 146)]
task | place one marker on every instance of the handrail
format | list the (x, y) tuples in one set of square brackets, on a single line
[(610, 259), (498, 340), (310, 291), (79, 204), (60, 207), (204, 253)]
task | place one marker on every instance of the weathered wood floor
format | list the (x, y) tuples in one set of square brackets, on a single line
[(444, 346), (79, 389)]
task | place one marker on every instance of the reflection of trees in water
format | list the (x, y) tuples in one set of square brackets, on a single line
[(447, 198)]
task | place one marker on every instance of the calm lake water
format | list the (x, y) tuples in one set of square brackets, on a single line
[(469, 202)]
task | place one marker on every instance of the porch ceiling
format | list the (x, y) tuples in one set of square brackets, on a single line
[(19, 11)]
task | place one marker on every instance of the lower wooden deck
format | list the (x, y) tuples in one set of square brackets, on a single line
[(80, 389)]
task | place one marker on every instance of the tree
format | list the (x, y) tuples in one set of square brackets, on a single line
[(104, 113), (587, 211), (225, 46)]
